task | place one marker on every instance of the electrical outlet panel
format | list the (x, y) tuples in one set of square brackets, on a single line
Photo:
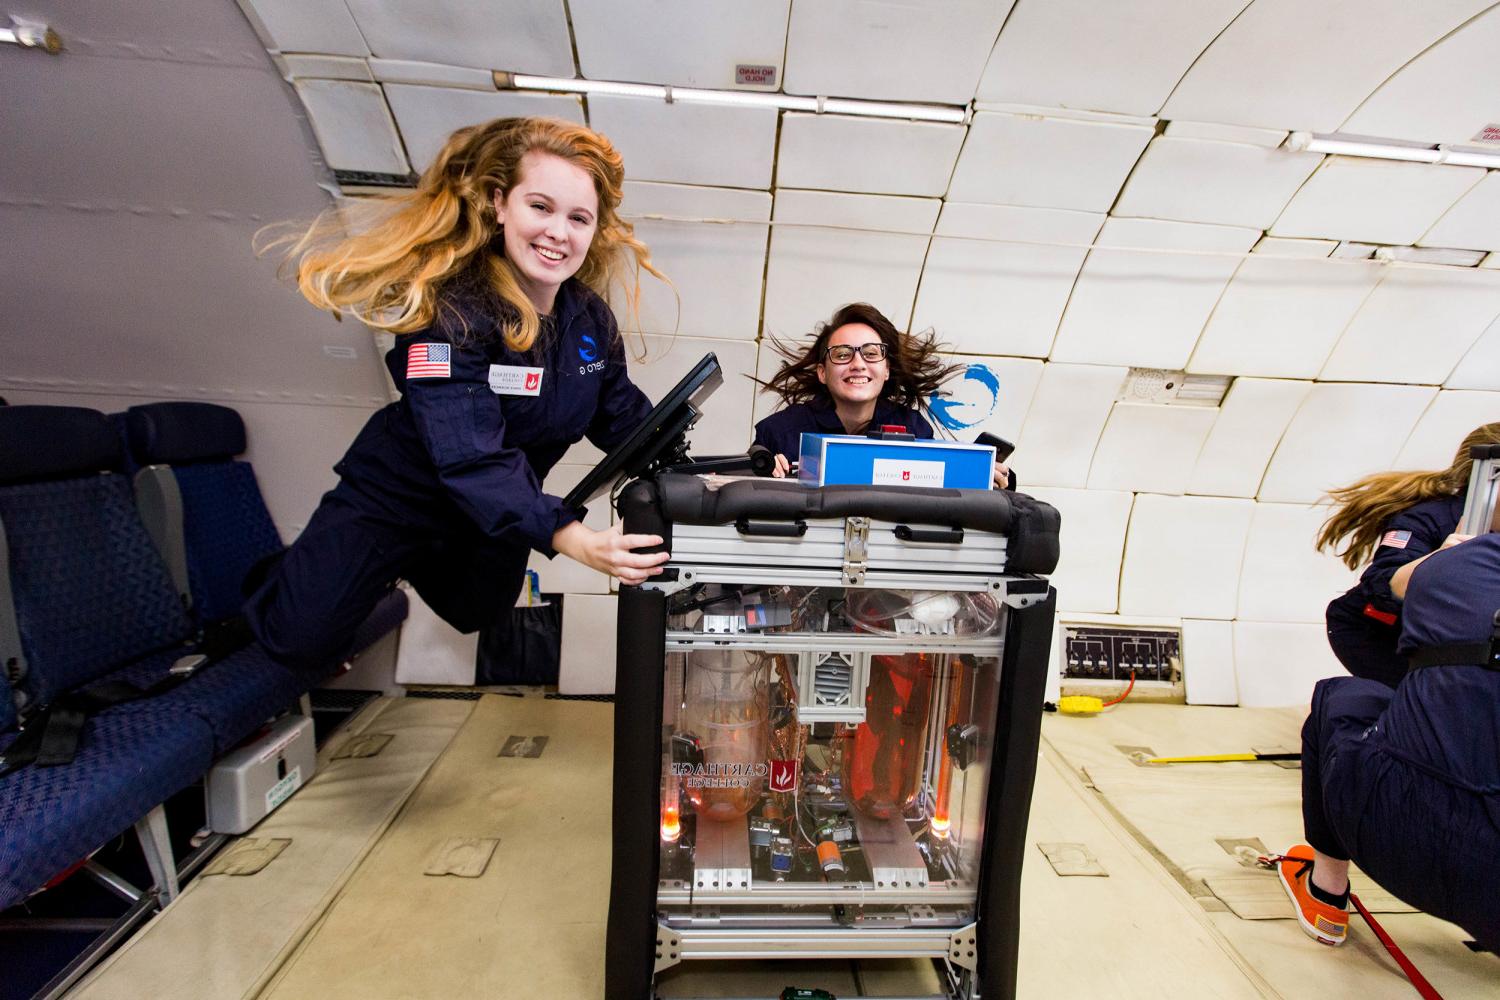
[(1101, 652)]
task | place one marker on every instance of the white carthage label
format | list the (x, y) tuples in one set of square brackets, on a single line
[(283, 789), (901, 472), (515, 380)]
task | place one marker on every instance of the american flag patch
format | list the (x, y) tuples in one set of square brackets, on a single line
[(427, 361), (1395, 539)]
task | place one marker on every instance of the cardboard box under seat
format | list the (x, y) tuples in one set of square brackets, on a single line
[(252, 780), (850, 460)]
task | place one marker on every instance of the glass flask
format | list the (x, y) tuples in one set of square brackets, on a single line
[(882, 769), (726, 712)]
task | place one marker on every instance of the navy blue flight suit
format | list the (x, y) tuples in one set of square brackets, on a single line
[(443, 487), (1364, 623), (1406, 783)]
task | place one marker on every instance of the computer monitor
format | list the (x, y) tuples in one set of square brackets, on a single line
[(658, 438)]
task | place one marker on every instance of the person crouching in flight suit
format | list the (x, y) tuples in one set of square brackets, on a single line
[(1406, 783), (1390, 518), (490, 272), (858, 373)]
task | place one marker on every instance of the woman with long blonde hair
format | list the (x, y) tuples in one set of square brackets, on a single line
[(491, 273), (1388, 520)]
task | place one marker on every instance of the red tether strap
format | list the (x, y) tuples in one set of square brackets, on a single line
[(1384, 617), (1417, 979)]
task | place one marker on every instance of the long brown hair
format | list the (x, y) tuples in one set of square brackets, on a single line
[(916, 370), (391, 273), (1364, 506)]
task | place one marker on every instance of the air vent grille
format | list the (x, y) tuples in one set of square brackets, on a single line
[(832, 679)]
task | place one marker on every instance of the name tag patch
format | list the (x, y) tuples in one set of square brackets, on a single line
[(891, 472), (515, 380)]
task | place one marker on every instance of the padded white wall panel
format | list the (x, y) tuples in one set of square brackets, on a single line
[(1277, 664), (889, 51), (1480, 367), (353, 125), (1450, 417), (1087, 577), (1251, 421), (1231, 183), (688, 143), (1147, 309), (1342, 431), (526, 36), (1066, 417), (716, 269), (988, 394), (690, 43), (431, 651), (1002, 297), (1208, 662), (812, 271), (1443, 95), (1374, 201), (1150, 447), (1101, 57), (1416, 326), (324, 26), (870, 155), (427, 116), (1473, 222), (1046, 162), (1182, 556), (767, 363), (586, 659), (561, 575), (1283, 312), (1290, 64), (1284, 578)]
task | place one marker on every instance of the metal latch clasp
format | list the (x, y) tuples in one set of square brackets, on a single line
[(856, 550)]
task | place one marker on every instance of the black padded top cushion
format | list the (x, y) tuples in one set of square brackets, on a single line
[(180, 433), (55, 442)]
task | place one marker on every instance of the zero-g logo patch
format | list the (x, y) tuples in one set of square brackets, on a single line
[(973, 399), (588, 352)]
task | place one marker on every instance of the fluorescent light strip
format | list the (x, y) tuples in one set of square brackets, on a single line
[(738, 98), (1339, 146)]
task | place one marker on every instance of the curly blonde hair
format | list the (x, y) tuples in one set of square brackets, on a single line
[(1364, 506), (391, 273)]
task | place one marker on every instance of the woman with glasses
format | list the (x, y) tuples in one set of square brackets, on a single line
[(858, 373)]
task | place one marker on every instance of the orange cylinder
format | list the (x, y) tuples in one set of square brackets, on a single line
[(882, 770)]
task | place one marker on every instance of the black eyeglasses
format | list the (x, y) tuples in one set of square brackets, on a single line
[(842, 354)]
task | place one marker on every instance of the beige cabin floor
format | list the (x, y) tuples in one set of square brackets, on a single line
[(347, 911)]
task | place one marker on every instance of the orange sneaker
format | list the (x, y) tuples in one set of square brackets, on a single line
[(1323, 923)]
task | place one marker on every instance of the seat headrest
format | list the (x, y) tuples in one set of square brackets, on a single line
[(179, 433), (55, 442)]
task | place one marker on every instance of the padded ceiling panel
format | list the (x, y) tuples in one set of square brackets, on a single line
[(996, 297), (690, 43), (871, 155), (1285, 578), (1277, 664), (1087, 577), (1251, 421), (987, 394), (1416, 326), (1066, 417), (523, 36), (1147, 309), (1123, 57), (716, 269), (1150, 448), (428, 115), (689, 143), (1445, 94), (353, 125), (882, 50), (324, 26), (1374, 201), (1016, 159), (1448, 420), (1473, 223), (1231, 183), (1182, 556), (1480, 367), (813, 271), (1283, 311), (1342, 432), (1291, 64)]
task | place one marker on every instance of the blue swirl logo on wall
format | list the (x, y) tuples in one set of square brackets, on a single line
[(589, 349), (965, 411)]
